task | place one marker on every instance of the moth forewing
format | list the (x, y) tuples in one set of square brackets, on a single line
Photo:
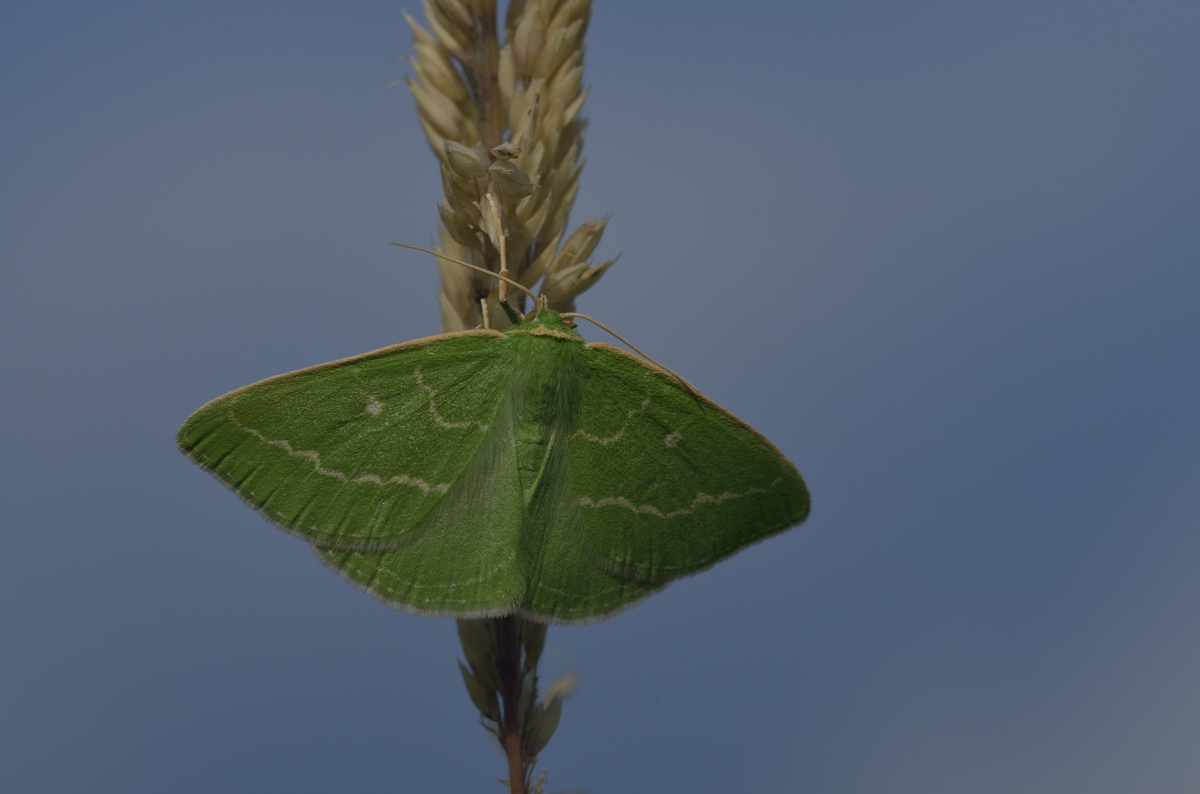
[(674, 482)]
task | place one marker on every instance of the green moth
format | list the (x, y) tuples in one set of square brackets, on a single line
[(485, 473)]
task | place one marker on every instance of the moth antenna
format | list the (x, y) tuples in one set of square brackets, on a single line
[(627, 343), (482, 270)]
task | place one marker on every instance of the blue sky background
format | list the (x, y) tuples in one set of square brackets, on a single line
[(943, 254)]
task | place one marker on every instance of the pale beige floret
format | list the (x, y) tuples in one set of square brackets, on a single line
[(518, 146)]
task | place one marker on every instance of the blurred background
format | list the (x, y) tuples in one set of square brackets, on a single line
[(943, 254)]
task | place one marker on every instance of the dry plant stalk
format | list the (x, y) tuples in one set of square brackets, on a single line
[(501, 678), (502, 114)]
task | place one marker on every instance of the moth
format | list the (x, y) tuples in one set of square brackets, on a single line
[(485, 473)]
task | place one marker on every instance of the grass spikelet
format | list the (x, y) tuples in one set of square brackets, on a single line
[(478, 87)]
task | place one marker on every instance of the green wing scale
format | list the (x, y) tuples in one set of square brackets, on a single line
[(339, 454), (669, 482), (485, 473)]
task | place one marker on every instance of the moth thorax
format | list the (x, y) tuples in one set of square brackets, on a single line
[(545, 401)]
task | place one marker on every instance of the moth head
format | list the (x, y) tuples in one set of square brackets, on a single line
[(551, 320)]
